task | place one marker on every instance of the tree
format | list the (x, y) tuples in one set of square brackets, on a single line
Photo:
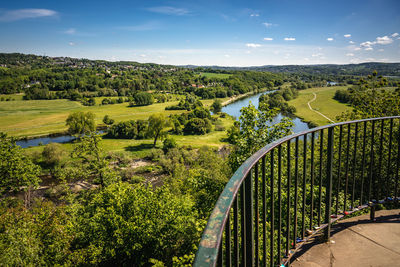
[(143, 99), (93, 160), (81, 123), (52, 154), (254, 132), (216, 106), (157, 123), (17, 172), (107, 120)]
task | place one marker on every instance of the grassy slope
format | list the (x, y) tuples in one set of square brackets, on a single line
[(324, 104)]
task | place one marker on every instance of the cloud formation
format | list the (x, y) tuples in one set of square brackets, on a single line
[(253, 45), (384, 40), (268, 39), (395, 34), (350, 55), (254, 15), (28, 13), (168, 10), (70, 31), (347, 35), (289, 39), (267, 24), (329, 39)]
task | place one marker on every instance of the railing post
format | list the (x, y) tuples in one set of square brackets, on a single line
[(328, 201), (249, 220)]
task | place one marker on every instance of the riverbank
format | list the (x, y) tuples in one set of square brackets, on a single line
[(239, 97)]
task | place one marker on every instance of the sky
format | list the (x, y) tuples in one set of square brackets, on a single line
[(206, 32)]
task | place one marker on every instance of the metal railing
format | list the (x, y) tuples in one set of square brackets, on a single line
[(298, 186)]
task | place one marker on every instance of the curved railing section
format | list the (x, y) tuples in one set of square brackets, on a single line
[(298, 186)]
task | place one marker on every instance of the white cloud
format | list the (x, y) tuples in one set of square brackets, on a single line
[(395, 34), (29, 13), (384, 40), (347, 35), (357, 48), (350, 55), (268, 39), (317, 55), (351, 42), (71, 43), (367, 44), (143, 55), (267, 24), (253, 45), (329, 39), (227, 56), (369, 49), (70, 31), (168, 10), (289, 39), (254, 15)]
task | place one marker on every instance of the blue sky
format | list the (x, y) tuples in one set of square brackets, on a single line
[(217, 32)]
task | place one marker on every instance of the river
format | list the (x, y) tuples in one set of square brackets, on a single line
[(232, 109)]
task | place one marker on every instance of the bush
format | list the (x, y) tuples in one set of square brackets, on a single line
[(197, 126), (143, 99), (52, 154), (169, 143)]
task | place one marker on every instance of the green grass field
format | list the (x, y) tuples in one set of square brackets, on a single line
[(215, 75), (40, 117), (324, 103)]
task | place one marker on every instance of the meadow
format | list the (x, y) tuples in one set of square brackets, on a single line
[(215, 75), (41, 117), (324, 103)]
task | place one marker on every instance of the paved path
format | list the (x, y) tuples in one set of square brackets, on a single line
[(309, 106), (358, 242)]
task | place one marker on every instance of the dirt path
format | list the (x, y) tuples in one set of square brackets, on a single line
[(309, 106)]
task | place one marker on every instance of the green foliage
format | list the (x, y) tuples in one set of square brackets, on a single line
[(156, 125), (169, 143), (17, 172), (94, 162), (122, 225), (81, 123), (143, 99), (216, 106), (197, 126), (254, 132), (52, 154), (107, 120)]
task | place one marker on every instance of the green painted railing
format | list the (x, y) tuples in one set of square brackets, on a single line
[(298, 186)]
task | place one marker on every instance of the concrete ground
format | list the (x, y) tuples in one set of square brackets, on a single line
[(357, 242)]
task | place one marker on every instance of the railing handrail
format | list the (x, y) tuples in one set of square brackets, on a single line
[(212, 235)]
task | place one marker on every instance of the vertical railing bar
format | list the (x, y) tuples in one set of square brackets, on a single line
[(354, 166), (236, 252), (303, 214), (272, 241), (321, 149), (289, 169), (249, 216), (296, 177), (328, 201), (228, 259), (243, 226), (264, 213), (257, 217), (279, 201), (363, 163), (388, 172), (312, 180), (339, 174), (220, 255), (347, 168), (379, 178), (396, 190), (371, 163)]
